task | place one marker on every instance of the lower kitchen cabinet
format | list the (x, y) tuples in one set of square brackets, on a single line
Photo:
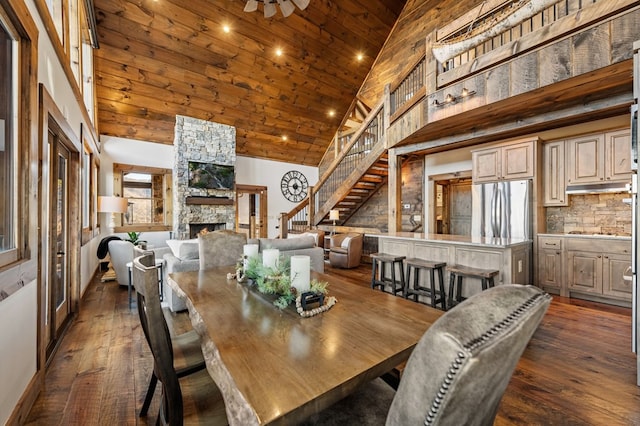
[(597, 268), (550, 270), (585, 267)]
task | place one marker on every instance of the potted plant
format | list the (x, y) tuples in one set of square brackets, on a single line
[(134, 238)]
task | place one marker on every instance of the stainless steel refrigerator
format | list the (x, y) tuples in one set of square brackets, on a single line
[(502, 210)]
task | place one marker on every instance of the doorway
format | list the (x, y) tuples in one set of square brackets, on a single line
[(453, 206), (59, 279), (251, 210)]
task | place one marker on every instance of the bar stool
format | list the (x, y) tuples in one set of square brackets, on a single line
[(458, 272), (417, 265), (379, 262)]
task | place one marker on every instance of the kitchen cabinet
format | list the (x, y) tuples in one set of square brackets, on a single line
[(554, 174), (596, 267), (599, 158), (618, 155), (505, 162), (549, 268)]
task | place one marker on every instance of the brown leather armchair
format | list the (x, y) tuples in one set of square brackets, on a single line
[(346, 250)]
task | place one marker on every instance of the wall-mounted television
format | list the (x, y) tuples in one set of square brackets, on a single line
[(210, 176)]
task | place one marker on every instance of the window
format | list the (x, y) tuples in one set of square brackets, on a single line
[(148, 192), (89, 181), (72, 28), (10, 111)]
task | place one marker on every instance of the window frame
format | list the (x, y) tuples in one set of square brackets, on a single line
[(118, 189), (89, 196), (25, 33), (85, 29)]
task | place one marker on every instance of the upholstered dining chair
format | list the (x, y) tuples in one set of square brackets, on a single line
[(187, 351), (458, 371), (220, 248), (194, 399)]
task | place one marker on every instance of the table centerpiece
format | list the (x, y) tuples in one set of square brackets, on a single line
[(276, 280)]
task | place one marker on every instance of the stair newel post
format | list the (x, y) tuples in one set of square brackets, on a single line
[(284, 225), (311, 209), (386, 115), (395, 192)]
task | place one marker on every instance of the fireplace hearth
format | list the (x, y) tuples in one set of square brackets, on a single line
[(196, 228)]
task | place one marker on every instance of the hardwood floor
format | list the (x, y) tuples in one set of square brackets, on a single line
[(577, 370)]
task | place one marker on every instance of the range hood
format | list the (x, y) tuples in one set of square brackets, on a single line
[(599, 188)]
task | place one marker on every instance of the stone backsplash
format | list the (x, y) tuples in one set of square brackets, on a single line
[(207, 142), (591, 214)]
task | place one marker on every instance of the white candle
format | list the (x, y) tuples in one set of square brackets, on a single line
[(300, 272), (270, 258), (249, 250)]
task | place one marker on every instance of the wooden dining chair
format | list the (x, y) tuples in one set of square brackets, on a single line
[(187, 352), (458, 371), (195, 398)]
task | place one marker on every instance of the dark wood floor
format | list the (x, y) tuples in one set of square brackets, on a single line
[(577, 370)]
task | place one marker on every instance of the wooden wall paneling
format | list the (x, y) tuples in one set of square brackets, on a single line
[(524, 74), (624, 31), (555, 62), (591, 49), (498, 84)]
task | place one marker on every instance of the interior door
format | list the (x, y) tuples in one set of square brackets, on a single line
[(251, 211), (58, 288)]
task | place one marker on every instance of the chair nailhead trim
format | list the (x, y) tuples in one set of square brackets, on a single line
[(472, 346)]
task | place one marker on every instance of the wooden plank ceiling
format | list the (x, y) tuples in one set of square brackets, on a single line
[(160, 58)]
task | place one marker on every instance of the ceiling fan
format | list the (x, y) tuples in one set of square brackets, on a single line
[(286, 6)]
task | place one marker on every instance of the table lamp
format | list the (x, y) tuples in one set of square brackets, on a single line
[(113, 205), (334, 215)]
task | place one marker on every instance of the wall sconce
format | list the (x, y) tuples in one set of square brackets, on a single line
[(450, 99)]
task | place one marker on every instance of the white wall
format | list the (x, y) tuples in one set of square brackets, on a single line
[(249, 171), (458, 160), (252, 171)]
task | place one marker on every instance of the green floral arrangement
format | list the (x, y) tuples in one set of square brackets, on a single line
[(277, 281)]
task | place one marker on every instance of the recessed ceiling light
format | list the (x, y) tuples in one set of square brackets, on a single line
[(284, 137), (226, 28), (279, 52), (360, 56), (331, 113)]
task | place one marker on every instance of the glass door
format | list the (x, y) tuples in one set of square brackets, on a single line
[(59, 285)]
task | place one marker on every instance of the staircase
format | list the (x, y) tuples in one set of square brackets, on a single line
[(361, 191)]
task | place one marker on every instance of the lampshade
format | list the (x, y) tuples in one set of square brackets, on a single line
[(112, 204), (334, 214)]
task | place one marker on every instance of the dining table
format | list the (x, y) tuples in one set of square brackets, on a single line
[(274, 366)]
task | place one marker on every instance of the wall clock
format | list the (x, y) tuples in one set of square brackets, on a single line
[(294, 186)]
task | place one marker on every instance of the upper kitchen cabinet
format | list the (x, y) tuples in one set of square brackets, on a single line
[(618, 155), (504, 162), (599, 158), (554, 174)]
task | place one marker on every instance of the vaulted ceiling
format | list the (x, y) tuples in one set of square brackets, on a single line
[(162, 58)]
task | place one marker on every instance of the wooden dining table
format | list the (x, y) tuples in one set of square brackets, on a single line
[(276, 367)]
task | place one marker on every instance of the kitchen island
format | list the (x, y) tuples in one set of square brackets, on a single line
[(512, 257)]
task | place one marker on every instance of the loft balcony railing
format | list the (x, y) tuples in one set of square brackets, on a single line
[(409, 91), (497, 23)]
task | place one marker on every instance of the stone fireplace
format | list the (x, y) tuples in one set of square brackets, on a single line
[(205, 142), (196, 228)]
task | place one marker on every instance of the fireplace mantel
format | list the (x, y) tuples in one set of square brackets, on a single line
[(216, 201)]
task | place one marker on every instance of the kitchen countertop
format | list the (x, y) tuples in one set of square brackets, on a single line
[(456, 239), (595, 236)]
